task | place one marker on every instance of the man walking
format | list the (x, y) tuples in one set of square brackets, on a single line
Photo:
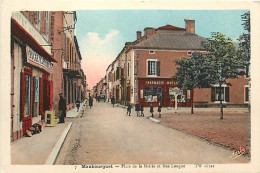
[(77, 104), (129, 107), (90, 102), (62, 108)]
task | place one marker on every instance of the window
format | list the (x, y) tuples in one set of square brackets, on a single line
[(36, 93), (128, 69), (247, 93), (38, 16), (28, 95), (189, 53), (47, 16), (153, 94), (220, 94), (151, 52), (154, 67)]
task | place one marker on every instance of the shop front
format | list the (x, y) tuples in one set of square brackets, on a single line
[(37, 87), (31, 76), (153, 91)]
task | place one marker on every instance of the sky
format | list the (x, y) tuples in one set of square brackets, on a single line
[(102, 33)]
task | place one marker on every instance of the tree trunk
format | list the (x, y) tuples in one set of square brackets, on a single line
[(221, 105), (192, 94)]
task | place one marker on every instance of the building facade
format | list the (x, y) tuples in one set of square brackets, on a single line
[(32, 66), (43, 65), (148, 67)]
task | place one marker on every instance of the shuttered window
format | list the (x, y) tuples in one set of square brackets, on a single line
[(154, 67)]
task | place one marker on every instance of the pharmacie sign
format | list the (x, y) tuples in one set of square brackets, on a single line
[(157, 82), (37, 60)]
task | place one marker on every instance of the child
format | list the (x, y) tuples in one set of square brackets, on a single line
[(142, 111), (159, 109), (137, 109), (151, 109)]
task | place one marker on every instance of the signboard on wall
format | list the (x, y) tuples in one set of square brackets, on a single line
[(175, 91), (37, 60)]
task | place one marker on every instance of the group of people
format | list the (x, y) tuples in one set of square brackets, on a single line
[(141, 108), (63, 108)]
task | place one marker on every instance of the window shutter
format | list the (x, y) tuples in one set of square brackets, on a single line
[(158, 68), (227, 94), (212, 94), (149, 68), (22, 96)]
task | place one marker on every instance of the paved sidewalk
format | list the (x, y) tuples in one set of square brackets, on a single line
[(73, 112), (42, 148)]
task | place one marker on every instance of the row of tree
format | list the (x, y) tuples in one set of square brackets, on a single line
[(222, 61)]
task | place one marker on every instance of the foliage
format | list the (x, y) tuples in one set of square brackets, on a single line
[(224, 57), (244, 42), (219, 64), (195, 72)]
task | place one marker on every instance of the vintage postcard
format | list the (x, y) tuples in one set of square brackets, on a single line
[(143, 86)]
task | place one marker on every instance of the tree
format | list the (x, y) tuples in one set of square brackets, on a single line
[(244, 42), (224, 59), (244, 49), (195, 72)]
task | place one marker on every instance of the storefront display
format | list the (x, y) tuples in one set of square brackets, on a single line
[(153, 91)]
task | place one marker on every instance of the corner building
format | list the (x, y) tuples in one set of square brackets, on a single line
[(150, 68)]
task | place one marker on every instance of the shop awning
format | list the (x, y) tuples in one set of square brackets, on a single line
[(18, 31)]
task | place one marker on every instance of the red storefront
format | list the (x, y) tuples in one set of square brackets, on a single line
[(33, 68), (151, 91)]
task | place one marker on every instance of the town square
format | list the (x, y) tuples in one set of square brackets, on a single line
[(118, 90)]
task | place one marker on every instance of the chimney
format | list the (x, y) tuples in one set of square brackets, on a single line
[(190, 26), (149, 32), (139, 34)]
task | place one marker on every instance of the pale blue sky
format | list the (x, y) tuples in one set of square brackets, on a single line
[(103, 33)]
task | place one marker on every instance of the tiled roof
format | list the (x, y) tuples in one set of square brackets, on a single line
[(173, 41), (170, 27)]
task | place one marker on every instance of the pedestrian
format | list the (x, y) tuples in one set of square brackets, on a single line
[(142, 111), (62, 108), (129, 107), (90, 102), (113, 100), (137, 109), (151, 109), (77, 104), (159, 109), (98, 98)]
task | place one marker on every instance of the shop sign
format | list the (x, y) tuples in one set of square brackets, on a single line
[(171, 82), (160, 82), (155, 82), (37, 60), (175, 91)]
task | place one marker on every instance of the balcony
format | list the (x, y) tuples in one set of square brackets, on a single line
[(71, 65)]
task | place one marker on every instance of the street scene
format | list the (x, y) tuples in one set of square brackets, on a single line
[(160, 87), (116, 138)]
